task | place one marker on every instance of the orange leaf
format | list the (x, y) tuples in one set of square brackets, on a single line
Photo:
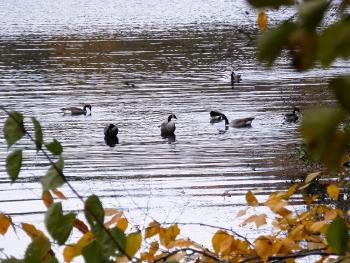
[(251, 200), (330, 215), (114, 220), (242, 212), (59, 194), (310, 200), (154, 246), (222, 242), (47, 198), (123, 224), (113, 211), (152, 229), (259, 220), (264, 247), (333, 191), (262, 20), (146, 257), (80, 225), (5, 223), (166, 235), (32, 232)]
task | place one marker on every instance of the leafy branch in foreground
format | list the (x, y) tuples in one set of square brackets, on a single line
[(321, 230)]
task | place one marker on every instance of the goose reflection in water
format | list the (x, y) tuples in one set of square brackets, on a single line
[(111, 141), (111, 138)]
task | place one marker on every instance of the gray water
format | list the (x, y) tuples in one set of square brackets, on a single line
[(176, 58)]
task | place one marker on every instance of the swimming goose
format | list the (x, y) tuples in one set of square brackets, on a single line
[(292, 117), (168, 127), (111, 130), (76, 110), (237, 123), (235, 78), (111, 137)]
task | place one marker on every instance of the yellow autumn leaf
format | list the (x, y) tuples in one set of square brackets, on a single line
[(166, 235), (311, 177), (47, 198), (318, 226), (310, 200), (333, 191), (330, 215), (74, 250), (5, 223), (152, 229), (251, 200), (153, 248), (222, 242), (58, 194), (113, 220), (146, 257), (262, 20), (133, 244), (184, 243), (123, 224), (259, 220), (32, 231), (264, 247)]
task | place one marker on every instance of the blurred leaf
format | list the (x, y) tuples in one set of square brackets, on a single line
[(13, 128), (39, 251), (325, 142), (74, 250), (38, 133), (32, 231), (222, 242), (94, 214), (259, 220), (333, 191), (13, 164), (166, 235), (55, 147), (317, 227), (272, 41), (337, 235), (113, 243), (264, 247), (311, 13), (5, 223), (311, 177), (334, 42), (58, 225), (270, 3), (341, 88), (53, 177), (80, 225), (302, 48), (251, 199), (152, 229), (262, 20), (122, 224), (92, 253), (47, 198), (133, 244), (12, 260), (58, 194)]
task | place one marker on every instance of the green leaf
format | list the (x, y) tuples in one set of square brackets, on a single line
[(55, 147), (320, 132), (270, 3), (53, 178), (334, 42), (341, 88), (133, 243), (13, 128), (337, 235), (13, 164), (92, 253), (272, 41), (38, 133), (312, 12), (111, 246), (94, 213), (58, 225), (39, 252)]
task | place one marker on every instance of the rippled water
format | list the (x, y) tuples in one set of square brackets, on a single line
[(176, 58)]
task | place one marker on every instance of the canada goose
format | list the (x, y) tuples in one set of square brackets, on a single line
[(168, 127), (76, 110), (235, 78), (292, 117), (111, 130), (238, 123)]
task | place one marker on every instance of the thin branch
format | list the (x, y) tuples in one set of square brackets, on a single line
[(63, 177), (194, 251)]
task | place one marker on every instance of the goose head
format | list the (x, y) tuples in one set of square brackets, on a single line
[(171, 117)]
